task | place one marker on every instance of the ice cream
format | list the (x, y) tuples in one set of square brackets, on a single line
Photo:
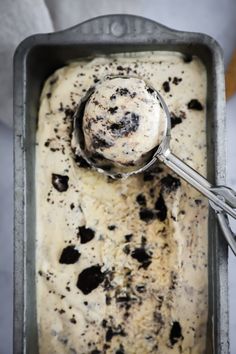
[(122, 120), (121, 265)]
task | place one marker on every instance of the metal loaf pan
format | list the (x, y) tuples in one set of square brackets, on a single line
[(39, 56)]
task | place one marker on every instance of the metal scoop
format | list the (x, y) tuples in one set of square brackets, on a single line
[(221, 198)]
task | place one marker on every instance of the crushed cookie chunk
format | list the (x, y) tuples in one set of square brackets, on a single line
[(166, 86), (60, 182), (69, 255), (142, 257), (96, 351), (111, 227), (176, 80), (99, 142), (175, 120), (116, 331), (121, 350), (128, 237), (195, 105), (126, 249), (126, 125), (85, 234), (141, 199), (198, 201), (89, 279), (170, 183), (112, 110), (175, 333), (146, 214), (161, 207), (122, 91)]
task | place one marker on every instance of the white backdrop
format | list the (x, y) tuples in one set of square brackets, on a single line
[(20, 18)]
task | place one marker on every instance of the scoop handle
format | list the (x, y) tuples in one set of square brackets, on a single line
[(221, 198)]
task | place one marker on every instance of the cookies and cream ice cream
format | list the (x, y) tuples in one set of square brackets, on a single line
[(121, 264), (122, 120)]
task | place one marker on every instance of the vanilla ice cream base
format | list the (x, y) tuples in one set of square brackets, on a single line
[(149, 232)]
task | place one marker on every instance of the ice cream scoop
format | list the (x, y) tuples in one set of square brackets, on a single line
[(122, 120), (119, 145)]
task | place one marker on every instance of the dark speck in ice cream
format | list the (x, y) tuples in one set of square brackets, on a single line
[(111, 227), (60, 182), (122, 91), (69, 255), (113, 97), (89, 279), (150, 90), (85, 234), (195, 104), (198, 201)]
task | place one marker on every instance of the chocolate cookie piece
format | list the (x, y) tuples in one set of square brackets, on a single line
[(161, 207), (141, 256), (146, 214), (60, 182), (170, 183), (122, 91), (176, 80), (117, 331), (96, 351), (121, 350), (99, 142), (69, 255), (89, 279), (128, 124), (111, 227), (166, 86), (128, 237), (113, 110), (85, 234), (175, 333), (174, 120), (141, 199), (195, 105)]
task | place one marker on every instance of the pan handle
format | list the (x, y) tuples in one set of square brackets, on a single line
[(121, 28), (230, 236)]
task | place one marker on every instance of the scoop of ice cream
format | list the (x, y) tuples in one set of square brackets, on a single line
[(121, 120)]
